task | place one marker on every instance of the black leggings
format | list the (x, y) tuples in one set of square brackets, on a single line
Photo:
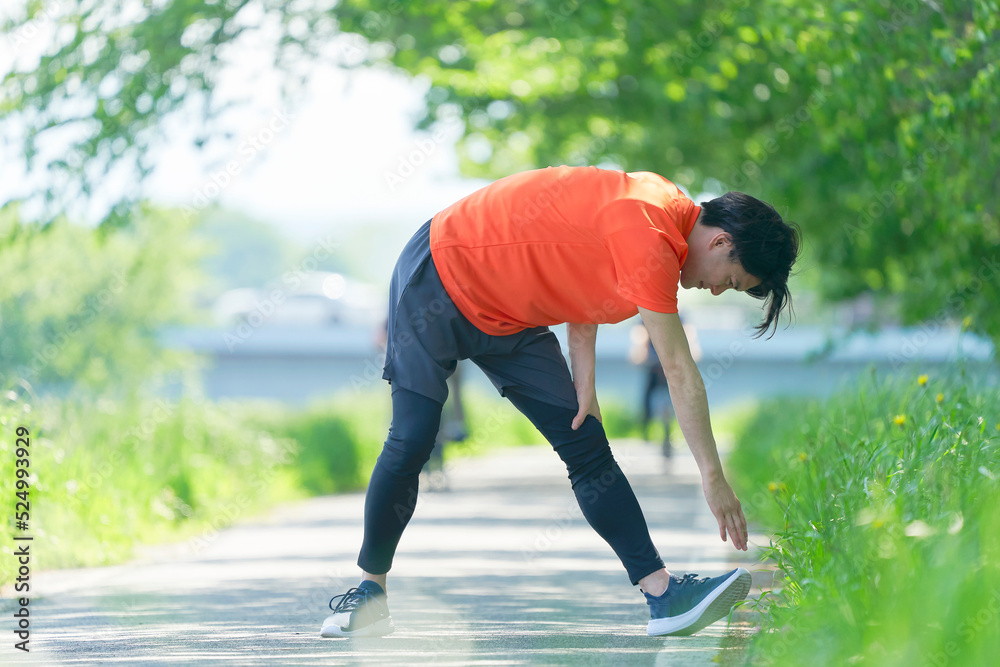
[(601, 489)]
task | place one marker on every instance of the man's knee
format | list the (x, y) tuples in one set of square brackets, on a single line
[(405, 452), (415, 422), (585, 451)]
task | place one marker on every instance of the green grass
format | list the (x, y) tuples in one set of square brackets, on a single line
[(884, 504), (107, 475)]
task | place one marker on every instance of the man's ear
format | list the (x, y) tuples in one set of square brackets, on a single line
[(721, 239)]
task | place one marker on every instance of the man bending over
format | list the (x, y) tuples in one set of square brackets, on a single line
[(485, 278)]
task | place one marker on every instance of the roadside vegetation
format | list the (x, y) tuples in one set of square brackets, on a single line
[(108, 475), (884, 509)]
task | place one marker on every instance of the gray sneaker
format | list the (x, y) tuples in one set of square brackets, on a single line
[(360, 612), (689, 604)]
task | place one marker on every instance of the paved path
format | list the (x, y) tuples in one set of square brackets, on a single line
[(500, 570)]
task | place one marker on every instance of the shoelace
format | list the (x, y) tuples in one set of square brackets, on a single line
[(692, 579), (351, 600)]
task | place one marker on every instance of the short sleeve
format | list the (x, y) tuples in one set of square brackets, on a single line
[(647, 249), (646, 266)]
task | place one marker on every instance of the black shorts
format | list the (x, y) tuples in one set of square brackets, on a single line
[(427, 335)]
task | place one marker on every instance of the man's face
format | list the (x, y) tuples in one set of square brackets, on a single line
[(708, 267)]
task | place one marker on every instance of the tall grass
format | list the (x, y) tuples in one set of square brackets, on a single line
[(884, 506), (108, 475)]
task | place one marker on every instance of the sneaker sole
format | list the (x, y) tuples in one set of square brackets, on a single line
[(715, 605), (376, 629)]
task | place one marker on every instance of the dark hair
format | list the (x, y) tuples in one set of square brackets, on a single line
[(763, 244)]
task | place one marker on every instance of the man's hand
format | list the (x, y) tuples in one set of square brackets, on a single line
[(582, 338), (587, 397), (727, 510)]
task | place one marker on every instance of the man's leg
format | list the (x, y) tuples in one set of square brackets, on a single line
[(392, 491), (678, 606), (389, 504), (601, 488)]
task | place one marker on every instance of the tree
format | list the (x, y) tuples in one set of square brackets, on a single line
[(245, 252), (82, 312), (871, 124)]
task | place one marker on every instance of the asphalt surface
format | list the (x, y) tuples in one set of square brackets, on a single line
[(501, 569)]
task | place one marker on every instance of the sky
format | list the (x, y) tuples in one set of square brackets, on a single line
[(345, 156)]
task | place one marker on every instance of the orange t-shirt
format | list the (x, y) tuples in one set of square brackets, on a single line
[(563, 244)]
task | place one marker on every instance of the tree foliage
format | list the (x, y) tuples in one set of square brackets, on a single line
[(872, 124), (81, 311)]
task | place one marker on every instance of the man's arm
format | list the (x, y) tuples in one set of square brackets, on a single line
[(582, 339), (687, 393)]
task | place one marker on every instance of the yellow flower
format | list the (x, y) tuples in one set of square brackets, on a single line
[(803, 456), (900, 420), (877, 523), (967, 322), (939, 398), (771, 486), (922, 380)]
